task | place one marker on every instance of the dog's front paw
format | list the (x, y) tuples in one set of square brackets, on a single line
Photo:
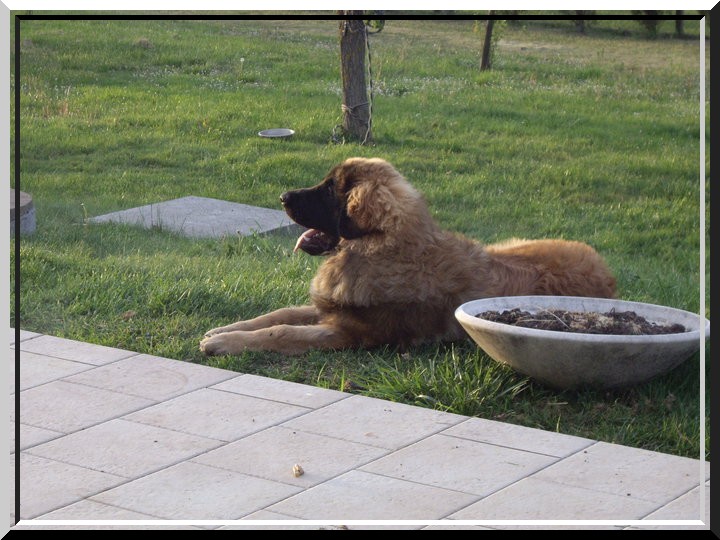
[(213, 345), (212, 333)]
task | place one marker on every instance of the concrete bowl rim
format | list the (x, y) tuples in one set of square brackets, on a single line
[(466, 316)]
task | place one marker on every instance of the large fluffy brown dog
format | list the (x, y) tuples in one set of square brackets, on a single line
[(392, 276)]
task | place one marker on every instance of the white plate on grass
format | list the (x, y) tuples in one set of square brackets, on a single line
[(277, 133)]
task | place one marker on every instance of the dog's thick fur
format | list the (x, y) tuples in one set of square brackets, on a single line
[(392, 276)]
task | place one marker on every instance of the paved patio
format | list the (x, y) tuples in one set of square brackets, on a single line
[(113, 435)]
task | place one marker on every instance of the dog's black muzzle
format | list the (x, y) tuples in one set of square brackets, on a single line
[(313, 208)]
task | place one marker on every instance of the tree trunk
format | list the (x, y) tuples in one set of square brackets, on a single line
[(485, 62), (355, 104), (679, 24)]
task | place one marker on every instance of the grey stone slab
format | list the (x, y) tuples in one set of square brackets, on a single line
[(37, 526), (31, 436), (24, 334), (266, 515), (216, 414), (194, 491), (37, 369), (124, 448), (273, 452), (683, 508), (375, 422), (46, 484), (66, 407), (627, 472), (519, 437), (557, 526), (367, 496), (459, 527), (93, 510), (279, 390), (203, 217), (535, 499), (152, 377), (78, 351), (459, 464)]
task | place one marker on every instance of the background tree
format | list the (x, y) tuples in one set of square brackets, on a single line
[(581, 23), (493, 30), (679, 24), (355, 103), (486, 60), (650, 25)]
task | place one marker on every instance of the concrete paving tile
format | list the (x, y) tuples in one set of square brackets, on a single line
[(67, 407), (37, 369), (272, 453), (93, 510), (628, 472), (367, 496), (152, 377), (124, 448), (459, 464), (195, 491), (451, 527), (278, 390), (77, 351), (558, 527), (375, 422), (39, 527), (203, 217), (46, 484), (274, 516), (31, 436), (216, 414), (520, 437), (684, 507), (24, 334), (266, 515), (533, 499)]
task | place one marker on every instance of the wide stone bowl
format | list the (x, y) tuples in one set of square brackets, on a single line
[(565, 360)]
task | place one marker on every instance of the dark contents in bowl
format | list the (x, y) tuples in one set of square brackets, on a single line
[(611, 323)]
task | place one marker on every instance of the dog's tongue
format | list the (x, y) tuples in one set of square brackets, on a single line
[(315, 242)]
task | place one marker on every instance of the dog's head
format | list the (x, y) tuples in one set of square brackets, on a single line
[(357, 198)]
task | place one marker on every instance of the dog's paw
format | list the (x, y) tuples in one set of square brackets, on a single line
[(212, 345), (215, 331)]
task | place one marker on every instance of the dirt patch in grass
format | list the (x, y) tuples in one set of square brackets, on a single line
[(609, 323)]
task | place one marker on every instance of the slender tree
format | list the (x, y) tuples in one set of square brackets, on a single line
[(355, 103), (485, 62), (679, 24)]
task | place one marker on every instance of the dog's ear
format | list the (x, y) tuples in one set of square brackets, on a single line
[(359, 217), (374, 207)]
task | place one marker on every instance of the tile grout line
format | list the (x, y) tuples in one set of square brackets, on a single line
[(391, 451), (38, 518), (126, 479), (85, 363), (340, 473), (225, 442), (591, 442), (311, 409), (663, 505), (559, 460), (551, 481)]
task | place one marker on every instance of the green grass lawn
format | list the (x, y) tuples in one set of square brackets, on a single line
[(593, 138)]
